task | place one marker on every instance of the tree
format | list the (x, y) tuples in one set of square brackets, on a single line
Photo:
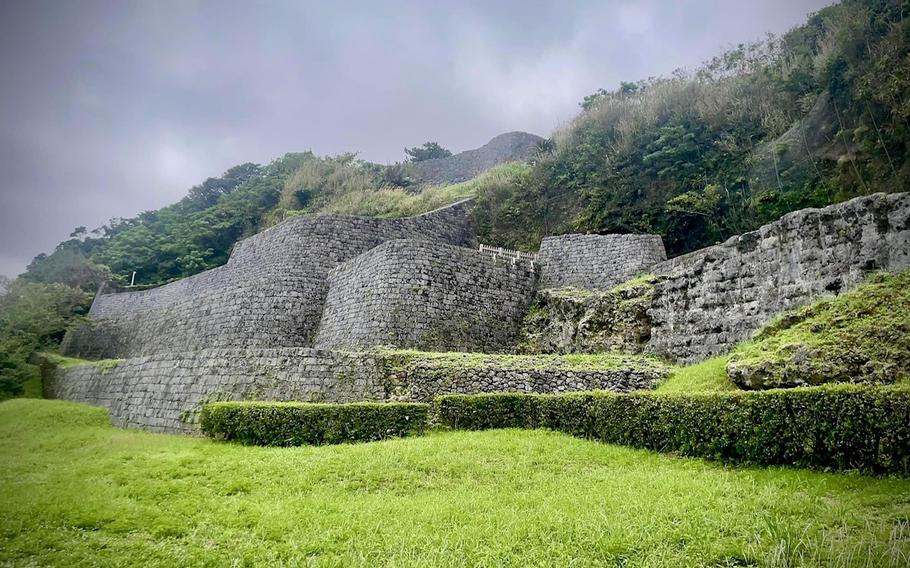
[(429, 151), (34, 317)]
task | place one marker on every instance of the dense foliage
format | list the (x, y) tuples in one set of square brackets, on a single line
[(860, 336), (841, 427), (33, 316), (298, 423), (813, 117), (429, 151), (816, 116)]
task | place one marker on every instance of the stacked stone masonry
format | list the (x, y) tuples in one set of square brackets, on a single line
[(428, 296), (708, 300), (164, 392), (247, 329), (270, 293), (597, 261)]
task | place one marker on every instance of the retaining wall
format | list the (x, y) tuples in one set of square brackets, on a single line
[(164, 392), (429, 296), (269, 294), (597, 261), (706, 301)]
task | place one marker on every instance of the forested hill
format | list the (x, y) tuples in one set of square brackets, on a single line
[(816, 116)]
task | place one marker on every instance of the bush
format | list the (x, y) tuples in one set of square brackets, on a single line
[(296, 423), (840, 427), (484, 411)]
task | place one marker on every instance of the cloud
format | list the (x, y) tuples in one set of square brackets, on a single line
[(111, 108)]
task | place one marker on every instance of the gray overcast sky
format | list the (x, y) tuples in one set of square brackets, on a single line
[(111, 108)]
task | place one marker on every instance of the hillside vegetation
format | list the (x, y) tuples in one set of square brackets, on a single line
[(816, 116), (77, 492)]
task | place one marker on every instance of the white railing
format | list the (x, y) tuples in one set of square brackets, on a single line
[(509, 254)]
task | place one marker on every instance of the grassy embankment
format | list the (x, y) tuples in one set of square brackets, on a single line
[(78, 492)]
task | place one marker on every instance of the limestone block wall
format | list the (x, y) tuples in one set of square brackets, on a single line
[(706, 301), (269, 294), (416, 294), (164, 392), (597, 261)]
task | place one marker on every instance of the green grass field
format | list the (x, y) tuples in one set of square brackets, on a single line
[(77, 492)]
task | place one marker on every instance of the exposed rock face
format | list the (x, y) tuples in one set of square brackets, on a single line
[(570, 320), (508, 147), (708, 300), (862, 336)]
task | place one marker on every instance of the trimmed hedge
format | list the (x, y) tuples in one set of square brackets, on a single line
[(840, 427), (297, 423)]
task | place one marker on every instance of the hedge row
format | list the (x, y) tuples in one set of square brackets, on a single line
[(840, 427), (296, 423)]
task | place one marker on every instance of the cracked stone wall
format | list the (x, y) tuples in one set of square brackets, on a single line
[(597, 261), (706, 301), (429, 296), (269, 294)]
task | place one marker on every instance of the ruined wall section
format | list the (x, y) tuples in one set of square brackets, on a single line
[(164, 392), (706, 301), (430, 296), (269, 294), (597, 261)]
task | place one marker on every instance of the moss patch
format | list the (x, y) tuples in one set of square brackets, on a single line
[(572, 320), (862, 336), (105, 365), (570, 362)]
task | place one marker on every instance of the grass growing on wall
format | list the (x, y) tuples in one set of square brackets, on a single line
[(708, 376), (860, 336), (77, 492), (569, 362)]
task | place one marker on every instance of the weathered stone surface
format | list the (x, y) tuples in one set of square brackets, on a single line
[(570, 320), (270, 293), (597, 261), (508, 147), (430, 296), (710, 299), (425, 376), (164, 392)]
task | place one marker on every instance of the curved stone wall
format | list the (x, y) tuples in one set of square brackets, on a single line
[(597, 261), (269, 294), (706, 301), (415, 294)]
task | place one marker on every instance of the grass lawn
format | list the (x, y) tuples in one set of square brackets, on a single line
[(77, 492), (709, 375)]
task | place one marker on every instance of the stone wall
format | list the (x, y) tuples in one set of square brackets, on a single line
[(706, 301), (164, 392), (269, 294), (570, 320), (430, 296), (423, 376), (597, 261)]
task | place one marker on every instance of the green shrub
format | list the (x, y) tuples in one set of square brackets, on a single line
[(297, 423), (484, 411), (842, 427)]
